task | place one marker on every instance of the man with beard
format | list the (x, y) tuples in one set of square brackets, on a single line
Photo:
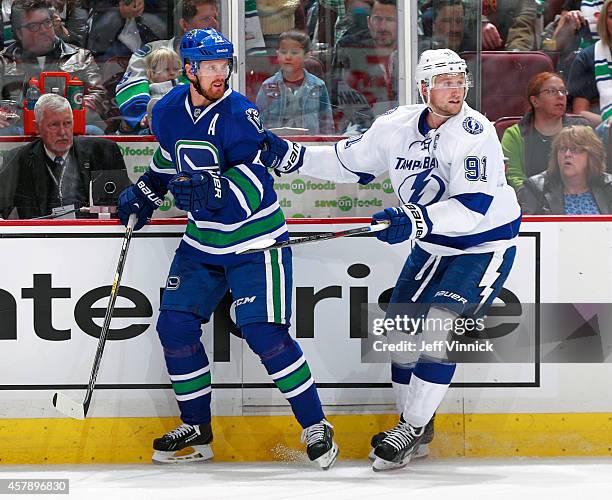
[(365, 70), (444, 27), (208, 137), (38, 49)]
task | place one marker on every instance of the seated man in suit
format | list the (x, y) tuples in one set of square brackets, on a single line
[(55, 170)]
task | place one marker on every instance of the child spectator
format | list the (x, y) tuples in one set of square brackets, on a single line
[(163, 67), (293, 97)]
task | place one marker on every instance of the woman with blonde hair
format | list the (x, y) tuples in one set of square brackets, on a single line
[(575, 182)]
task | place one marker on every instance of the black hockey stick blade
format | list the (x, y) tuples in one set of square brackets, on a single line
[(270, 243)]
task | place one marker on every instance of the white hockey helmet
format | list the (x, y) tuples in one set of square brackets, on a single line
[(438, 62)]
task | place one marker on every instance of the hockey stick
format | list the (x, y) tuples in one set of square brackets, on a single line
[(269, 243), (62, 402)]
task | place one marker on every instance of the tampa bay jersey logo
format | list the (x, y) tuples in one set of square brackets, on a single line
[(423, 188), (196, 155)]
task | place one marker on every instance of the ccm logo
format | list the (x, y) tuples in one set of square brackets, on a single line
[(149, 194), (245, 300)]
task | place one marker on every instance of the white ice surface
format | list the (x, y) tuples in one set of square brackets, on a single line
[(518, 479)]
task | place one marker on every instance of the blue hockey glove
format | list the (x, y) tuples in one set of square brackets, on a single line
[(281, 155), (141, 199), (198, 191), (408, 222)]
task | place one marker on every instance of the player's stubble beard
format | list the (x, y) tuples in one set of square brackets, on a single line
[(204, 93), (445, 109)]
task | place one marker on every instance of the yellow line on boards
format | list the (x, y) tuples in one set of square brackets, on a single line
[(264, 438)]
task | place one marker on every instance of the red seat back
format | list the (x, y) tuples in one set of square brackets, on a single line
[(504, 78), (501, 124)]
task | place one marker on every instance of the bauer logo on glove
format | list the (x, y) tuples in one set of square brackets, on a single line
[(408, 222), (198, 191)]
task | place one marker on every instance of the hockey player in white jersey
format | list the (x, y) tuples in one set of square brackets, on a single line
[(446, 166)]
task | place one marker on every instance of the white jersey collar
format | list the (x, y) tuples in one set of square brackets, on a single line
[(197, 112)]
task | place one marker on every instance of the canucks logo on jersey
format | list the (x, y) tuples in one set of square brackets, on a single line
[(196, 155)]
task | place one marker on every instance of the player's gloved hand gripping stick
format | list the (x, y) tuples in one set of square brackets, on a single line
[(62, 402)]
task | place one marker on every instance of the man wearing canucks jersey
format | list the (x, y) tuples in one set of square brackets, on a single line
[(446, 166), (208, 134)]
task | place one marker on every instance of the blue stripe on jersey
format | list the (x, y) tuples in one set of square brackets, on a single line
[(504, 232), (363, 177), (476, 202)]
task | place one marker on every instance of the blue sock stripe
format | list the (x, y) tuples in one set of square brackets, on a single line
[(437, 373), (401, 374)]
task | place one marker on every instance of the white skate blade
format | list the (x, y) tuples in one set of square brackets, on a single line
[(381, 465), (328, 459), (201, 453), (68, 407), (422, 451)]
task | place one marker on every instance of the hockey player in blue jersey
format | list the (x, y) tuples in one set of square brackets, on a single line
[(446, 166), (208, 134)]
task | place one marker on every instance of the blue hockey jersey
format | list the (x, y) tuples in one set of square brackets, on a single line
[(224, 136)]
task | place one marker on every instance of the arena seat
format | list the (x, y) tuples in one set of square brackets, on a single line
[(504, 78), (501, 124)]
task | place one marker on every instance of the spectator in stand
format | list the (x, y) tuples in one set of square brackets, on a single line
[(590, 78), (70, 21), (277, 16), (509, 24), (573, 29), (120, 28), (38, 49), (575, 182), (527, 144), (55, 170), (163, 67), (293, 97), (444, 26), (133, 93), (364, 71)]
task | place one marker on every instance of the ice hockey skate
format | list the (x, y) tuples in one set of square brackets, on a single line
[(169, 448), (422, 450), (397, 447), (320, 445)]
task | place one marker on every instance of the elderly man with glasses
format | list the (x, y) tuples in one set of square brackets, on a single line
[(37, 48)]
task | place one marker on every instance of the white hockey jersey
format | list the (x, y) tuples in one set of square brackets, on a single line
[(456, 171)]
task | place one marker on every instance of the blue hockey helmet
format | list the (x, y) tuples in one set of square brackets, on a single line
[(205, 45)]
